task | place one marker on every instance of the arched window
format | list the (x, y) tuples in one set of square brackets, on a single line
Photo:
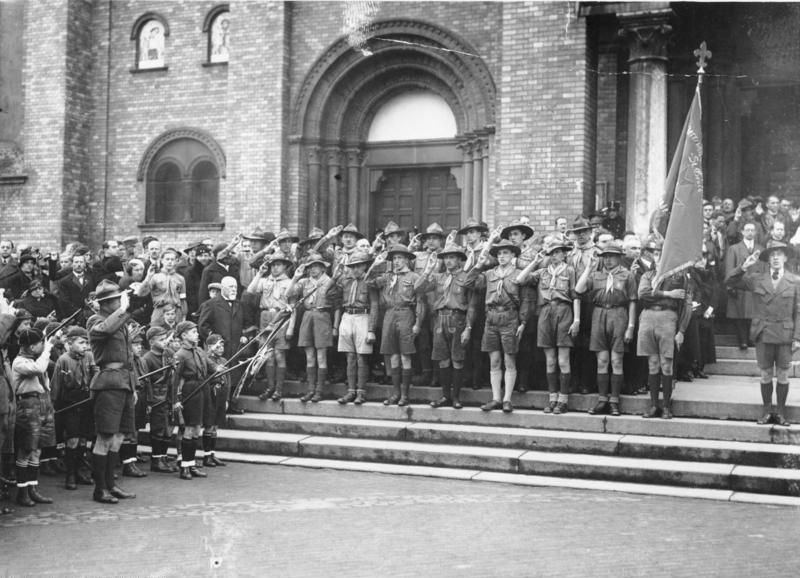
[(150, 32), (183, 183), (217, 27)]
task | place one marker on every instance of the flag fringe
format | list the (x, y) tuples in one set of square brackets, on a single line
[(659, 278)]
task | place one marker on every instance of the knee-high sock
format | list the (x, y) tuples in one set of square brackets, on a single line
[(653, 381), (322, 376), (352, 371), (406, 381), (766, 395), (602, 386), (311, 375), (552, 382), (617, 381), (666, 384), (510, 379), (457, 381), (395, 374), (187, 453), (496, 379), (362, 372), (280, 379), (445, 377), (782, 390)]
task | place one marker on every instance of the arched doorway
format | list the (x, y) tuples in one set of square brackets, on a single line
[(343, 175)]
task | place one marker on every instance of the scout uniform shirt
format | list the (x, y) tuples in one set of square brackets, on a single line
[(554, 283), (610, 289), (158, 387), (654, 299), (71, 378), (274, 292), (315, 299), (168, 288), (192, 370), (358, 296), (399, 290), (111, 348), (502, 291)]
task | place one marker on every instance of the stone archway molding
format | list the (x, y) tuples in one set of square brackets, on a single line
[(184, 132)]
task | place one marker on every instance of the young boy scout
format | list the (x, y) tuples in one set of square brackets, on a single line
[(666, 311), (317, 294), (216, 400), (401, 291), (452, 319), (776, 322), (190, 373), (355, 323), (31, 385), (612, 291), (158, 390), (272, 286), (503, 327), (73, 374), (559, 318)]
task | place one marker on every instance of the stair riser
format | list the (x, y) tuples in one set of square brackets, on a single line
[(744, 458), (536, 443), (388, 432), (742, 367)]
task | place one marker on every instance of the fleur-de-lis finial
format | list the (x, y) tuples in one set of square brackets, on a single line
[(703, 54)]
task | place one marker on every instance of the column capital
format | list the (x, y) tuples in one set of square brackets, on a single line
[(313, 154), (647, 34), (332, 155), (354, 157)]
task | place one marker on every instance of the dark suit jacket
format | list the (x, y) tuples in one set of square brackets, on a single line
[(72, 296), (740, 303), (213, 273), (776, 310), (230, 321)]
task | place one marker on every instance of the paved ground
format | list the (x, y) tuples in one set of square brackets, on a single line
[(251, 520)]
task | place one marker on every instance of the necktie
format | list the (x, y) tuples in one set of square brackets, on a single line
[(775, 275), (353, 291)]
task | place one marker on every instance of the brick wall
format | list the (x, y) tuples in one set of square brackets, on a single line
[(545, 140)]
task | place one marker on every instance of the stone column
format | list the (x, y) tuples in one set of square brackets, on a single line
[(353, 160), (466, 188), (485, 182), (312, 157), (477, 179), (333, 157), (647, 34)]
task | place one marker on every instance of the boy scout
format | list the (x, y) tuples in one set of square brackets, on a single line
[(215, 402), (503, 327), (317, 293), (776, 322), (355, 323), (272, 286), (401, 292), (559, 319), (612, 291), (157, 389)]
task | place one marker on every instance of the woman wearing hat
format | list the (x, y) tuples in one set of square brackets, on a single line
[(271, 287), (776, 322), (356, 322), (401, 290), (39, 302)]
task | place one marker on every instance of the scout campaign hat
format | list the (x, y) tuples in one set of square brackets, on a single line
[(580, 224), (315, 235), (613, 248), (526, 229), (433, 230), (259, 234), (393, 228), (315, 258), (285, 235), (353, 230), (556, 244), (473, 223), (23, 314), (400, 250), (107, 290), (453, 249), (504, 244), (280, 258), (773, 246), (359, 258)]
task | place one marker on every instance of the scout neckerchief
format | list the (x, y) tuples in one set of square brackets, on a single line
[(314, 283), (396, 276), (610, 279), (555, 271)]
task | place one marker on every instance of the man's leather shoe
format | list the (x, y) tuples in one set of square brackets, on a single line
[(235, 410), (765, 419), (307, 397), (131, 470), (560, 408), (391, 400), (24, 498), (403, 401), (185, 474), (359, 398), (317, 397), (666, 413), (507, 407), (118, 492), (600, 408), (33, 491), (457, 404), (585, 390), (781, 420), (161, 466), (699, 374), (267, 394), (104, 497), (550, 407), (83, 478), (195, 473), (70, 483), (208, 462), (347, 398), (652, 412), (218, 462), (492, 405), (441, 402), (614, 407)]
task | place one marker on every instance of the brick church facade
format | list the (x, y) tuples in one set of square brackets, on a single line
[(189, 120)]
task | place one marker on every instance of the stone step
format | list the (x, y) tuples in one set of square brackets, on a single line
[(743, 367), (720, 476), (726, 339), (634, 446), (714, 429), (503, 478), (733, 352)]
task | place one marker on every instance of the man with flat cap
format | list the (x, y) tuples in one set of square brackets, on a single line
[(113, 388), (776, 321)]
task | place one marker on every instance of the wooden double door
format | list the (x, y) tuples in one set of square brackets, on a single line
[(417, 197)]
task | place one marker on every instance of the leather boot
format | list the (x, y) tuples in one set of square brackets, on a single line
[(33, 487), (47, 468), (458, 380), (83, 463), (217, 462), (23, 497), (161, 466), (280, 378), (101, 493), (395, 397), (111, 484), (70, 483), (405, 387), (131, 470), (311, 374)]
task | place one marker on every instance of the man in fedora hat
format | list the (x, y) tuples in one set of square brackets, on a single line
[(612, 290), (559, 318), (317, 293), (583, 255), (776, 322), (475, 368), (665, 314), (452, 320), (355, 323), (504, 318), (401, 290), (271, 287), (740, 302), (113, 388)]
